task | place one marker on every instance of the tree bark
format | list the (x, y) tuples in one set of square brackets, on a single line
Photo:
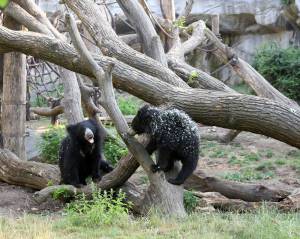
[(14, 98), (110, 44), (49, 112), (161, 194), (139, 19), (72, 97), (234, 111), (248, 192), (26, 173)]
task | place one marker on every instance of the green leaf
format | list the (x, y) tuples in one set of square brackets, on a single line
[(3, 3)]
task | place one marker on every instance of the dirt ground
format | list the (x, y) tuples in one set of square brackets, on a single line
[(248, 158)]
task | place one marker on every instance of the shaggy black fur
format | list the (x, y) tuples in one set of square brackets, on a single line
[(174, 135), (78, 158)]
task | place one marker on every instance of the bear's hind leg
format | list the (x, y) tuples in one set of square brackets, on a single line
[(188, 167)]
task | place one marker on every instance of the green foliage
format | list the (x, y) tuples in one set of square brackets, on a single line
[(128, 105), (61, 193), (265, 223), (50, 183), (252, 157), (180, 22), (281, 67), (113, 151), (3, 3), (49, 144), (105, 208), (192, 77), (287, 2), (39, 101), (265, 166), (243, 88), (190, 201), (248, 174), (218, 153)]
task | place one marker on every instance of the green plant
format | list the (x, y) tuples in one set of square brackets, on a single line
[(287, 2), (243, 88), (280, 162), (39, 101), (192, 77), (113, 150), (265, 166), (247, 174), (3, 3), (61, 193), (190, 201), (128, 105), (252, 157), (49, 143), (180, 22), (104, 208), (281, 67), (219, 153)]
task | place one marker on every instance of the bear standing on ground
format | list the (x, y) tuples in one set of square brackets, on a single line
[(80, 153), (174, 135)]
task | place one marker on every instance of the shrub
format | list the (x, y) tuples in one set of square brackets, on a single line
[(49, 144), (113, 151), (281, 67), (190, 201), (61, 193), (104, 208), (128, 105)]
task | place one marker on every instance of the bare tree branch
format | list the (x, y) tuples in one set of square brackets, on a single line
[(247, 113), (108, 41), (44, 111)]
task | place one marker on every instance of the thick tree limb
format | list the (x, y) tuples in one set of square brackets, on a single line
[(26, 173), (188, 8), (247, 113), (23, 17), (260, 85), (248, 192), (36, 12), (139, 19), (45, 111), (107, 40)]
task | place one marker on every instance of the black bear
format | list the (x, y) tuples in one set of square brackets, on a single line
[(80, 153), (174, 135)]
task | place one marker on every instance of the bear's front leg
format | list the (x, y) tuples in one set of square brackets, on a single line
[(155, 168)]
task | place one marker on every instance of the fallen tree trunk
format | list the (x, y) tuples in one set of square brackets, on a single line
[(234, 111), (26, 173), (248, 192)]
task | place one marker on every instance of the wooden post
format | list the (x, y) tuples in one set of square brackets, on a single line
[(14, 97), (168, 9), (215, 25)]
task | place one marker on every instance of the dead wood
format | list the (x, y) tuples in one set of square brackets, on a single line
[(248, 192), (160, 194), (45, 111)]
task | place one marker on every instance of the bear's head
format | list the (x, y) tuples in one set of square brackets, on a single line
[(141, 123), (81, 132)]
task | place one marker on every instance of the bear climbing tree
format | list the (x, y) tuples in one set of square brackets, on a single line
[(157, 77), (173, 135)]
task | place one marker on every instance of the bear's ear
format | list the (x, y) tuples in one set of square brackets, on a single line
[(146, 107), (71, 129)]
